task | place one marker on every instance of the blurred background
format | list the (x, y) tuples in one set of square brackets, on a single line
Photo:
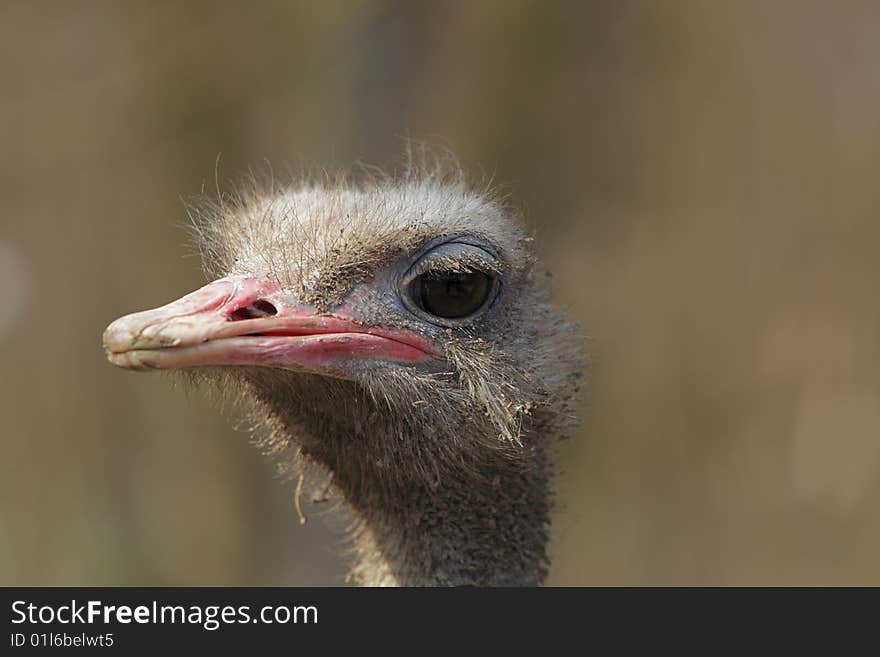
[(704, 180)]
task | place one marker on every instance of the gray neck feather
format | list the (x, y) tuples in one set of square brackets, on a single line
[(491, 531), (433, 506)]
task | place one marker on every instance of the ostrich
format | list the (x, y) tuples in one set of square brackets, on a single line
[(394, 333)]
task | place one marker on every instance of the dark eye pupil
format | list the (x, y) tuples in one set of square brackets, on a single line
[(452, 295)]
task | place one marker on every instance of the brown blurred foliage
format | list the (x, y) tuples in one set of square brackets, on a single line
[(703, 179)]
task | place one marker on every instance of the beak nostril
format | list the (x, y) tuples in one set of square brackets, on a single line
[(259, 308), (242, 313), (265, 307)]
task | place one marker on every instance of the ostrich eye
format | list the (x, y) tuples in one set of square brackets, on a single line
[(451, 295), (453, 282)]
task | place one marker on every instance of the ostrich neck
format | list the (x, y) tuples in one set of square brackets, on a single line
[(489, 531), (481, 519)]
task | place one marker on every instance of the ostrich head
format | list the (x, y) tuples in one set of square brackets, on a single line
[(396, 333)]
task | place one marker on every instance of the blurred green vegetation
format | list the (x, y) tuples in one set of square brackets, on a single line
[(703, 179)]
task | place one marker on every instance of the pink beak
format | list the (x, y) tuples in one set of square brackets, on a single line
[(245, 321)]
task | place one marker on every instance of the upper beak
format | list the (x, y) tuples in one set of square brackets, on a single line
[(246, 321)]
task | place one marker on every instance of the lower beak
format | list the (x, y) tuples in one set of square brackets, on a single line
[(246, 321)]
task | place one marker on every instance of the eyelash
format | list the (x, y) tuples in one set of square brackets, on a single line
[(465, 262)]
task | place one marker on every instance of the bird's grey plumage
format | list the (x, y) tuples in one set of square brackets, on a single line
[(447, 469)]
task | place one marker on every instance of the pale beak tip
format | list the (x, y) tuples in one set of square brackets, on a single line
[(117, 338), (137, 361)]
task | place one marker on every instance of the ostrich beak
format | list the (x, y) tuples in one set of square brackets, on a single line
[(246, 321)]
